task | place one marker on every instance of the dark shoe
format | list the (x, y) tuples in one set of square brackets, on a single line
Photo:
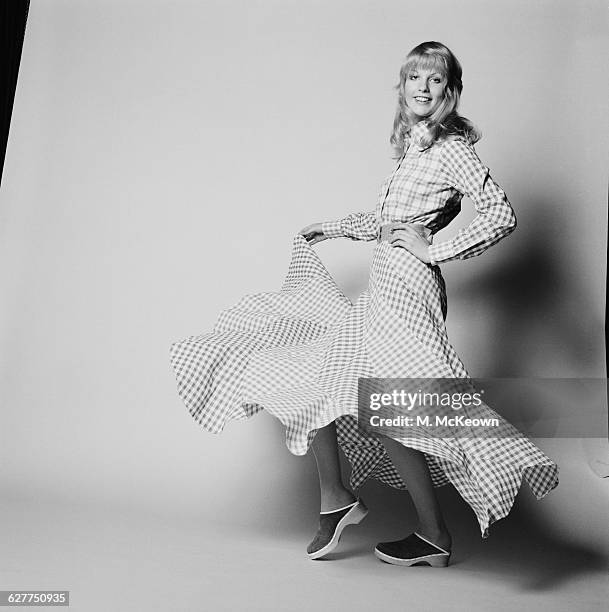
[(412, 550), (331, 525)]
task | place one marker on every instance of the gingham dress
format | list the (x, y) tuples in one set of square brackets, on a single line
[(298, 352)]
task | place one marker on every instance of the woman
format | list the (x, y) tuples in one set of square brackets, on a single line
[(300, 352)]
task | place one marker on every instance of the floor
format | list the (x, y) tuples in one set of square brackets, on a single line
[(111, 559)]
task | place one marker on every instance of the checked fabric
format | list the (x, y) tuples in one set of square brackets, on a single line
[(298, 352), (426, 187)]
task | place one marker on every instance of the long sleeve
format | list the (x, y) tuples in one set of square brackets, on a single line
[(495, 218), (356, 226)]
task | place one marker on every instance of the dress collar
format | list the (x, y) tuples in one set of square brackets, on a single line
[(417, 132)]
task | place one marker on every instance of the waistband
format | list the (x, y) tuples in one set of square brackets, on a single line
[(422, 230)]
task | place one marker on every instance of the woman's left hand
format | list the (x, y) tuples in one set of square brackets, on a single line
[(405, 236)]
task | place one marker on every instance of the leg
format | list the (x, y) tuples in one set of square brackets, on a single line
[(334, 494), (412, 467), (334, 516)]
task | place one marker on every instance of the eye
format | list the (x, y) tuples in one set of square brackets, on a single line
[(412, 77)]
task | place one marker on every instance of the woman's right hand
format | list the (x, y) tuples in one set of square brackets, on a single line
[(313, 233)]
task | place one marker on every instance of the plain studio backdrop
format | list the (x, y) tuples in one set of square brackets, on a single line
[(163, 155)]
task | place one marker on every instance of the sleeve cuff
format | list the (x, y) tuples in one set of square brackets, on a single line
[(441, 252), (332, 229)]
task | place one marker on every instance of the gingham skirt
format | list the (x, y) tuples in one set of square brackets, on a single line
[(298, 353)]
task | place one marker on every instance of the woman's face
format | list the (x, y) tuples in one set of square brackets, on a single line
[(424, 90)]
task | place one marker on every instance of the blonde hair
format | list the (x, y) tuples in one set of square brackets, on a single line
[(444, 121)]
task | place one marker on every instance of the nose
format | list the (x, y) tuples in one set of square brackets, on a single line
[(423, 86)]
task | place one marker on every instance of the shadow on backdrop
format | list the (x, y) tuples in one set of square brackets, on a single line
[(536, 301)]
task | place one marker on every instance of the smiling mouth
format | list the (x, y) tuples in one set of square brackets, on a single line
[(422, 100)]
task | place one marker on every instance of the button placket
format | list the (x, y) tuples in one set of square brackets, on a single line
[(397, 168)]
